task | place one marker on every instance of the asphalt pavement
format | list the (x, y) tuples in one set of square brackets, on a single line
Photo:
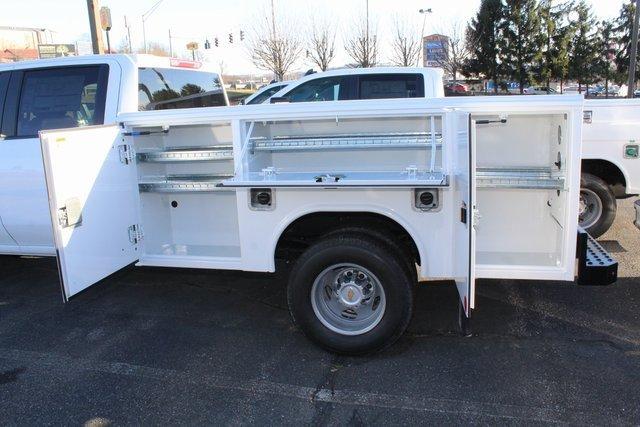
[(167, 346)]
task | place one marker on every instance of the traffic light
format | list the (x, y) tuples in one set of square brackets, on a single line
[(215, 42), (207, 45), (241, 35), (230, 37)]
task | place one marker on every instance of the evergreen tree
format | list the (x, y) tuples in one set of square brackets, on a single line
[(583, 54), (482, 42), (553, 41), (560, 51), (520, 43), (607, 44), (625, 29)]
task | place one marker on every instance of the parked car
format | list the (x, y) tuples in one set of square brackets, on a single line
[(77, 92), (364, 83), (452, 89), (264, 93), (540, 90)]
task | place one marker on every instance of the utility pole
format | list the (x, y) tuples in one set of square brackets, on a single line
[(634, 53), (128, 27), (366, 45), (273, 19), (170, 45), (93, 8), (145, 16)]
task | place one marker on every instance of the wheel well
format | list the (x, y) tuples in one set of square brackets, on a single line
[(609, 172), (307, 229)]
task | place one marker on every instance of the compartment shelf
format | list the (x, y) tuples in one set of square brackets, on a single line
[(521, 178), (182, 183), (272, 178), (350, 141), (187, 154)]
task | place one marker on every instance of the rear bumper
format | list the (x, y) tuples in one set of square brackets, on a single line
[(595, 266), (637, 206)]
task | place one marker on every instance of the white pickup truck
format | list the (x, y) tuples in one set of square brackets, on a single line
[(360, 196), (611, 135), (77, 92)]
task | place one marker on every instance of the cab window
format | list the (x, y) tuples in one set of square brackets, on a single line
[(59, 98), (323, 89), (167, 89), (379, 86)]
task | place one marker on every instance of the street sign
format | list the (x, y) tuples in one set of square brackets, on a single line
[(192, 46), (56, 50), (105, 18)]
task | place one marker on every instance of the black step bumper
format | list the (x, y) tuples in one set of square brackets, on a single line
[(595, 266)]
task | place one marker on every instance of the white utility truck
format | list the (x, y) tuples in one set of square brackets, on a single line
[(610, 142), (76, 92), (355, 194)]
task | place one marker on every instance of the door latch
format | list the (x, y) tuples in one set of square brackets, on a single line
[(70, 215), (463, 213)]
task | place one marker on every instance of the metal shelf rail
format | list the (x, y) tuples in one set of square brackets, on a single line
[(187, 154), (182, 183), (350, 141), (522, 178)]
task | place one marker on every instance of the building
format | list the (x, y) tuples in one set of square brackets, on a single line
[(435, 49), (20, 43)]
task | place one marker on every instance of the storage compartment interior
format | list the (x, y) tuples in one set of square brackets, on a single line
[(345, 151), (522, 192), (183, 211)]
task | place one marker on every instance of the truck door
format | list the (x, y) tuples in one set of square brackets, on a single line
[(93, 202), (464, 197), (37, 99)]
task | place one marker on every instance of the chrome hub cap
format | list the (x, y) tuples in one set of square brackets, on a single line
[(348, 299), (590, 208)]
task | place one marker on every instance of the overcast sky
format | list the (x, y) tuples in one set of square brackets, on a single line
[(199, 19)]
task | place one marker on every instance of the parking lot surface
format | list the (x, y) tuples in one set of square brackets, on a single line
[(195, 347)]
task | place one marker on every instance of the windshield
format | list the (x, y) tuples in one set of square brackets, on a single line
[(169, 88), (266, 94)]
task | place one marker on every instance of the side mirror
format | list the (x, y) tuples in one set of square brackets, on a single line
[(279, 99)]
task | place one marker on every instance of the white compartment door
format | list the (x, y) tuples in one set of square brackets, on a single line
[(93, 203), (463, 128)]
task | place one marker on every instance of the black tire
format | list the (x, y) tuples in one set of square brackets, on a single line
[(598, 204), (370, 254), (387, 239)]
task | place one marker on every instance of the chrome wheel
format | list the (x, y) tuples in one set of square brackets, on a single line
[(590, 208), (348, 299)]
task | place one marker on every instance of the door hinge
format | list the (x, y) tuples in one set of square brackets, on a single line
[(126, 154), (135, 233), (476, 216)]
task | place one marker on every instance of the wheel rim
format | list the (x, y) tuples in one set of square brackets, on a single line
[(590, 208), (348, 299)]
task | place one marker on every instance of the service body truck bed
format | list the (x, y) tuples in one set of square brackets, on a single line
[(355, 194)]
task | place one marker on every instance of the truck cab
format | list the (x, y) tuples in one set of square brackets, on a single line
[(364, 83), (69, 93)]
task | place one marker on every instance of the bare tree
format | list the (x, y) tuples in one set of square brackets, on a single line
[(456, 51), (273, 45), (321, 46), (155, 48), (362, 45), (405, 44)]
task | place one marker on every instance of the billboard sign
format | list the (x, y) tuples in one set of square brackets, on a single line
[(56, 50), (436, 50)]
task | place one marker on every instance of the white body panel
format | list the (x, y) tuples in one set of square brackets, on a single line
[(97, 197), (614, 124)]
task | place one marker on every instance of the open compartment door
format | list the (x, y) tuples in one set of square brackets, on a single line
[(463, 224), (93, 203)]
